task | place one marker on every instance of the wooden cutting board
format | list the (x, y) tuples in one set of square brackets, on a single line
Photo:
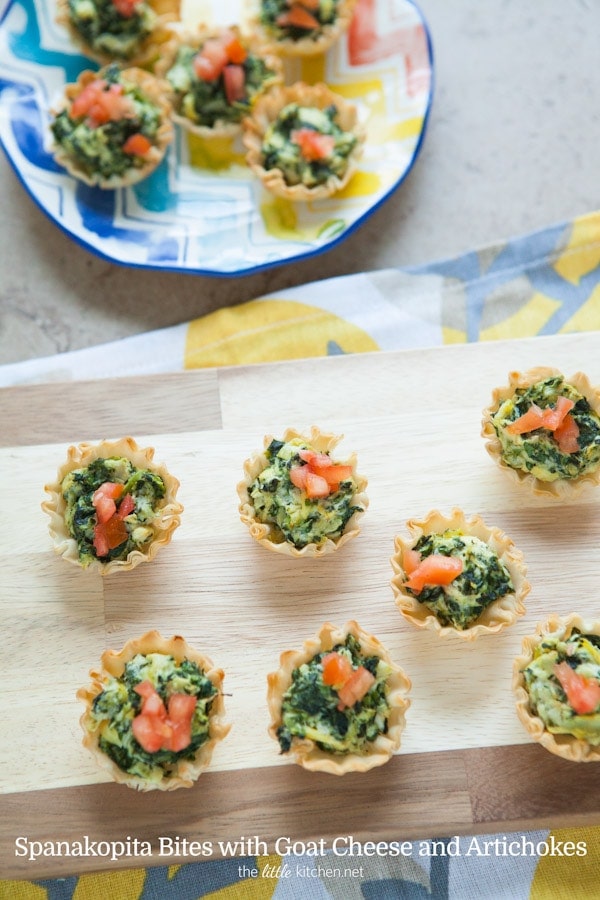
[(413, 417)]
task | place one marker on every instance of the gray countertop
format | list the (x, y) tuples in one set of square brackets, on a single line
[(511, 147)]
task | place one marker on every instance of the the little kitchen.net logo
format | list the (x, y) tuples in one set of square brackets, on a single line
[(343, 847)]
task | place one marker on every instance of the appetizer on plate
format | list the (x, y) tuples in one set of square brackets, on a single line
[(544, 429), (557, 685), (458, 576), (303, 142), (130, 32), (304, 27), (153, 713), (111, 506), (339, 703), (215, 76), (112, 127), (297, 499)]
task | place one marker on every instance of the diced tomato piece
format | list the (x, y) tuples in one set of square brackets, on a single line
[(205, 69), (181, 707), (85, 99), (553, 417), (313, 145), (180, 737), (355, 688), (298, 17), (127, 506), (236, 52), (567, 435), (298, 476), (153, 705), (147, 732), (322, 460), (214, 50), (316, 486), (435, 569), (137, 145), (115, 531), (100, 541), (105, 507), (529, 421), (333, 474), (145, 689), (410, 560), (583, 694), (234, 80), (125, 8), (112, 489), (337, 669)]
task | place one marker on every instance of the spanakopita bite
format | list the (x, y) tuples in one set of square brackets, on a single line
[(456, 575), (338, 704), (215, 77), (303, 141), (154, 713), (556, 681), (112, 128), (111, 506), (304, 27), (128, 32), (544, 430), (298, 498)]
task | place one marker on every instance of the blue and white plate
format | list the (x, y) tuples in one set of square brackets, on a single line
[(202, 210)]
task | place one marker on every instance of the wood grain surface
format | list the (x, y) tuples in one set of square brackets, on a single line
[(413, 417)]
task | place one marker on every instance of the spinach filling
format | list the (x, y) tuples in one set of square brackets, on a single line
[(205, 102), (273, 14), (484, 578), (110, 32), (279, 151), (146, 488), (294, 516), (309, 707), (97, 150), (114, 709), (547, 697), (537, 452)]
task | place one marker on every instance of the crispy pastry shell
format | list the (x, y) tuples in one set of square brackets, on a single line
[(565, 745), (156, 91), (266, 534), (328, 36), (150, 48), (165, 523), (563, 488), (499, 614), (266, 110), (182, 37), (306, 752), (113, 664)]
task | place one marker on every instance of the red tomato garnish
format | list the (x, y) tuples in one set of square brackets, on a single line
[(115, 531), (410, 560), (127, 506), (298, 17), (435, 569), (214, 50), (105, 507), (100, 541), (567, 435), (298, 476), (322, 460), (234, 80), (125, 8), (155, 729), (355, 688), (316, 487), (236, 52), (333, 474), (112, 489), (313, 145), (583, 694), (535, 417), (101, 102), (337, 669), (137, 145)]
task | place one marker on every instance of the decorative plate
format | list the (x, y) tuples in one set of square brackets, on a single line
[(202, 210)]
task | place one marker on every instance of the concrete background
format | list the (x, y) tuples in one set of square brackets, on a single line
[(511, 146)]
